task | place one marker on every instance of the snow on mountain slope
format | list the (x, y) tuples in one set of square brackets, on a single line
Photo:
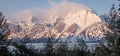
[(82, 18), (96, 31)]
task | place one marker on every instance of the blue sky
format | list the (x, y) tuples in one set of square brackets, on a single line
[(11, 6)]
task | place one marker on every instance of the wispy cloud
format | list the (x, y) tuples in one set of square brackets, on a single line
[(60, 9)]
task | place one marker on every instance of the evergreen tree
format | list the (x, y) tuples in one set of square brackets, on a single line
[(24, 50), (81, 49), (49, 47), (4, 32), (62, 49), (112, 47)]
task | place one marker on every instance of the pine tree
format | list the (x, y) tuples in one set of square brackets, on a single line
[(24, 50), (49, 47), (112, 47), (62, 49), (81, 49), (4, 32), (114, 38)]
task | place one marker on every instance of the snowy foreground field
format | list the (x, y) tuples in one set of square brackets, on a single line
[(41, 45)]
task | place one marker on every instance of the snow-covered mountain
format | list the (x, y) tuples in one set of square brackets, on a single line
[(75, 26)]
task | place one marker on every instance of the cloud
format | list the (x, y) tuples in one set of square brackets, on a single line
[(56, 9)]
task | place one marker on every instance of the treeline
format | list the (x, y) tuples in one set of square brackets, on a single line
[(111, 48)]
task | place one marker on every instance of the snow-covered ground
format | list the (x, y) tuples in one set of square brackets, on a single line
[(41, 45)]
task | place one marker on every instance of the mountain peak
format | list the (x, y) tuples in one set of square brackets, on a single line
[(83, 18)]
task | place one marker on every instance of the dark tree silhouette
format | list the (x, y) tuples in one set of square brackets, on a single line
[(112, 47)]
